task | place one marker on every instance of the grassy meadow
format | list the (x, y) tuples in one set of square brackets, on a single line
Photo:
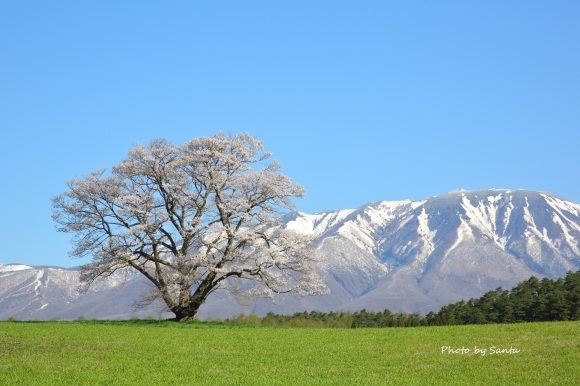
[(160, 352)]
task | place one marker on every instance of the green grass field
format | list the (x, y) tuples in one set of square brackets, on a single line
[(167, 353)]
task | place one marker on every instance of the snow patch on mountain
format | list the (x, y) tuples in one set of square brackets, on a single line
[(13, 267), (563, 206), (427, 235), (316, 224), (484, 217), (464, 233)]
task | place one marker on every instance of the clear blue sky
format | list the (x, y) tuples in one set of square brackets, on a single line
[(359, 101)]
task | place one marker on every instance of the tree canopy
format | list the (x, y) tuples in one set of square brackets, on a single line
[(192, 219)]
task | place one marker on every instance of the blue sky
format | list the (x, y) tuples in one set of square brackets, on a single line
[(359, 101)]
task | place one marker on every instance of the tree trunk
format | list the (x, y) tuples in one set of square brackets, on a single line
[(187, 313), (186, 318)]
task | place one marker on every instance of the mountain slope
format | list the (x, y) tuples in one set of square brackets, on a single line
[(402, 255)]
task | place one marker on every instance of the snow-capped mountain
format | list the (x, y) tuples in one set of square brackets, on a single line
[(411, 256), (457, 245), (28, 293)]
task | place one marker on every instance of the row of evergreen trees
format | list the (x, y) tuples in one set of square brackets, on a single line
[(532, 300)]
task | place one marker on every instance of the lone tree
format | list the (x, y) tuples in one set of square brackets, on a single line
[(192, 219)]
